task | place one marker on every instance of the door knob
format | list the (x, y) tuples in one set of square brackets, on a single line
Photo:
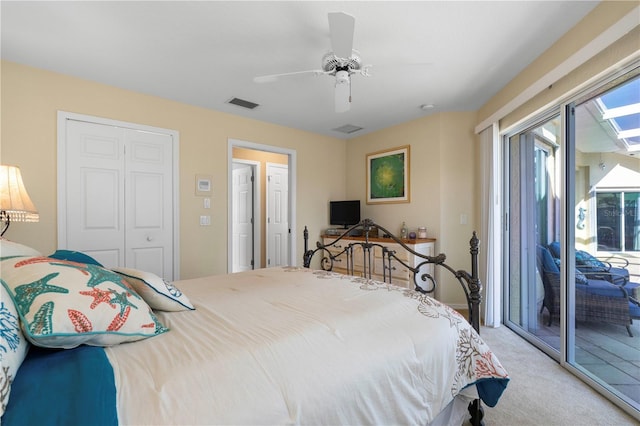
[(149, 238)]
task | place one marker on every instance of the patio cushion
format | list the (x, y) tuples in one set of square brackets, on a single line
[(548, 264), (633, 290), (634, 310), (603, 288), (619, 275), (554, 248), (587, 263), (584, 260)]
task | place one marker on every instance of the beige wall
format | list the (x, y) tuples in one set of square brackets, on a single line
[(443, 167), (594, 25), (30, 101)]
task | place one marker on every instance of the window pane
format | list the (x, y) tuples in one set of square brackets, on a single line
[(607, 184), (533, 183), (609, 220), (632, 221)]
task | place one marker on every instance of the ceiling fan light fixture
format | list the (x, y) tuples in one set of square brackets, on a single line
[(342, 77)]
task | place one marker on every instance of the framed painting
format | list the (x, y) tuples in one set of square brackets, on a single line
[(388, 176)]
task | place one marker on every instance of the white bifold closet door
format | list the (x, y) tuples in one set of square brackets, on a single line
[(118, 196)]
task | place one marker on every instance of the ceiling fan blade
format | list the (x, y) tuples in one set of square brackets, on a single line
[(343, 94), (274, 77), (341, 27)]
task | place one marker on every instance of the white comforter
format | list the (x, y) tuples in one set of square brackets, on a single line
[(296, 346)]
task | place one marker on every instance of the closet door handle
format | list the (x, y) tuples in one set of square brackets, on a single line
[(149, 238)]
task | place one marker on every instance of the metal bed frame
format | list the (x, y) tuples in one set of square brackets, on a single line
[(367, 228)]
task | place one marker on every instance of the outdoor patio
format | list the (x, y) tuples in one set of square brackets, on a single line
[(605, 350)]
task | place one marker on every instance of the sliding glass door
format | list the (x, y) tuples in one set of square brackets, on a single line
[(605, 248), (532, 216), (572, 236)]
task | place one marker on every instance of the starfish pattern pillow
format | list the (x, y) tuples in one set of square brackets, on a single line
[(64, 304), (13, 346)]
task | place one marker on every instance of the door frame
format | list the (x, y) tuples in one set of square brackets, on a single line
[(291, 154), (257, 218), (63, 117)]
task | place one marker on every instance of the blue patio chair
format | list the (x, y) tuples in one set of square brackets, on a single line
[(597, 268), (595, 299)]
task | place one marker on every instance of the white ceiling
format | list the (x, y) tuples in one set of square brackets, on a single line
[(453, 54)]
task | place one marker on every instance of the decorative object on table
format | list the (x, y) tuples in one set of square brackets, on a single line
[(412, 235), (403, 231), (422, 232), (15, 204), (388, 176)]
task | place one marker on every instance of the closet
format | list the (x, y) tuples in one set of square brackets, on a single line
[(117, 192)]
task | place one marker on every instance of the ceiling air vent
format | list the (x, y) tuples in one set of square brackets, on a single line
[(242, 103), (347, 128)]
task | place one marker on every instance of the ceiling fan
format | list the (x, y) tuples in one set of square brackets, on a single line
[(342, 62)]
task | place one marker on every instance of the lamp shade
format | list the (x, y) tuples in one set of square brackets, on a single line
[(14, 199)]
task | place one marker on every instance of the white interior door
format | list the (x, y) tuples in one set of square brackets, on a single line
[(115, 191), (243, 217), (148, 202), (94, 192), (277, 215)]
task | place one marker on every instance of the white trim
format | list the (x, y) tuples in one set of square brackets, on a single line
[(231, 143), (491, 224), (591, 49), (63, 118)]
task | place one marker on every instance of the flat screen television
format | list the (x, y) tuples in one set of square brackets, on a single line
[(344, 213)]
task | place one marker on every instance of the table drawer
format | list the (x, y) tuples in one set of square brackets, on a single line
[(398, 270)]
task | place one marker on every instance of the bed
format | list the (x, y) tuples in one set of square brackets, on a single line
[(291, 345)]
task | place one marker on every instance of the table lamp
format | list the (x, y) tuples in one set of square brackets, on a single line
[(15, 204)]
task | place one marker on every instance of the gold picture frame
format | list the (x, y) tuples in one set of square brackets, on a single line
[(388, 176)]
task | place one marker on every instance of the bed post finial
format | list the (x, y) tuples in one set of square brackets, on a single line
[(306, 258)]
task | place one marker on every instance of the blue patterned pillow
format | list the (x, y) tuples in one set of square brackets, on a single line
[(64, 304), (13, 346), (74, 256), (158, 293), (587, 263), (580, 277)]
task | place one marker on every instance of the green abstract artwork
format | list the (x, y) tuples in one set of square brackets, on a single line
[(387, 176)]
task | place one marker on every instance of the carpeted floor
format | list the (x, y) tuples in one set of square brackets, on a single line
[(543, 393)]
